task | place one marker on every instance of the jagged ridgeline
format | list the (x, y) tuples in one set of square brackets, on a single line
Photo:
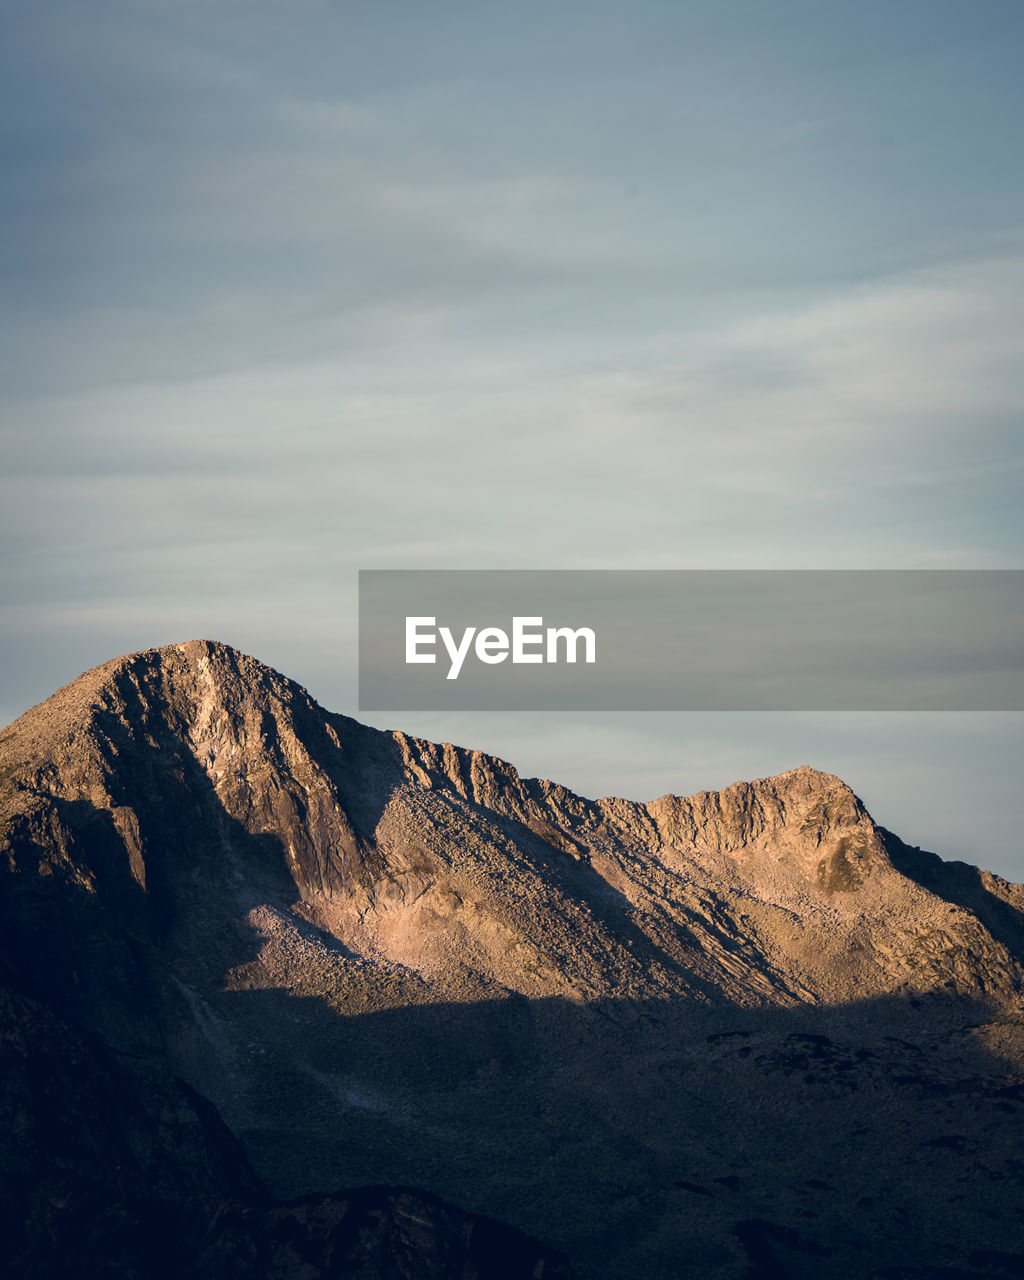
[(268, 968)]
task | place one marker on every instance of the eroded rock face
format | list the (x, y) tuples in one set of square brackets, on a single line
[(674, 1039)]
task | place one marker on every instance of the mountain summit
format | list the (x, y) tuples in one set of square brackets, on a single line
[(706, 1037)]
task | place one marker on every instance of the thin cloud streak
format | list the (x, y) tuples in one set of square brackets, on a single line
[(292, 290)]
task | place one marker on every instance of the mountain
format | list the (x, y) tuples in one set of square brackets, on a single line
[(269, 969)]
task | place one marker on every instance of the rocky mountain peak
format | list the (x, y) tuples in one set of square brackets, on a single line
[(445, 865), (385, 959)]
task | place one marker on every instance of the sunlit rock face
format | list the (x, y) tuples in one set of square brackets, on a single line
[(701, 1037)]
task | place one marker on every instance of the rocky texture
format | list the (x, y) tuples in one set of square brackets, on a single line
[(744, 1034)]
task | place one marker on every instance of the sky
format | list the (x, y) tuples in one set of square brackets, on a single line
[(294, 289)]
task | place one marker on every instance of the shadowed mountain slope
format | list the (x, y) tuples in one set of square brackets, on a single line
[(747, 1033)]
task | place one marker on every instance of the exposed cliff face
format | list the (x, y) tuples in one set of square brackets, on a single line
[(444, 871), (391, 961)]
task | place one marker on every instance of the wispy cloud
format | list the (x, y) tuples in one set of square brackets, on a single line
[(291, 289)]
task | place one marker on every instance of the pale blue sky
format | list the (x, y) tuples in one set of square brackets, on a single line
[(290, 289)]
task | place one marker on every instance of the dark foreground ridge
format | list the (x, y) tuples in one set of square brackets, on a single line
[(254, 953), (114, 1167)]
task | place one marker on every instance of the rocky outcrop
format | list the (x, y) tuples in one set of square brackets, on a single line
[(644, 1032)]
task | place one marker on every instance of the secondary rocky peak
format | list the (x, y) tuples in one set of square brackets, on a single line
[(816, 803)]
